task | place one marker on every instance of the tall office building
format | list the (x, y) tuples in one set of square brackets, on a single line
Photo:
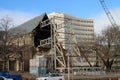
[(71, 30), (83, 29)]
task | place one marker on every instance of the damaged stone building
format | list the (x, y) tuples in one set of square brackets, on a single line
[(54, 37)]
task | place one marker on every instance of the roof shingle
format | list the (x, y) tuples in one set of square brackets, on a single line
[(26, 27)]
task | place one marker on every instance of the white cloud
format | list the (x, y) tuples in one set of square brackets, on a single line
[(17, 16), (101, 21)]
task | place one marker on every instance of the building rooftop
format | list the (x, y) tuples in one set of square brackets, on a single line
[(27, 27), (67, 16)]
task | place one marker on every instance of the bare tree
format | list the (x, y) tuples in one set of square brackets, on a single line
[(8, 47), (5, 24), (108, 46)]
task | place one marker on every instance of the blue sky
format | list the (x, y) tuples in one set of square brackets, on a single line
[(84, 8), (22, 10)]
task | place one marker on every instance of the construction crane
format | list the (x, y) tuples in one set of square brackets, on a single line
[(108, 13)]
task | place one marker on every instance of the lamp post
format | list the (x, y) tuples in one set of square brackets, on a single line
[(68, 65)]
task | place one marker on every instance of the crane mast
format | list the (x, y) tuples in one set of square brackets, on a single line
[(108, 13)]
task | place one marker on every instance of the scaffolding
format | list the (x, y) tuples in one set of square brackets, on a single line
[(65, 51)]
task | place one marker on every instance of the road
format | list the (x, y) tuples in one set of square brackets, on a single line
[(114, 76)]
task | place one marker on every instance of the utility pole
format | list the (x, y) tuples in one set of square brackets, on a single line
[(68, 64)]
